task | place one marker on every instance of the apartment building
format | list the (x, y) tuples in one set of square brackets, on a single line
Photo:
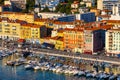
[(10, 29), (21, 16), (112, 38), (18, 4), (113, 42), (107, 4), (74, 40)]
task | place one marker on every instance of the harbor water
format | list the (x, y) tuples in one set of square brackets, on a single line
[(19, 73)]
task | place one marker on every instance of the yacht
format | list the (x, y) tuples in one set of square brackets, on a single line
[(81, 73), (29, 66), (36, 67)]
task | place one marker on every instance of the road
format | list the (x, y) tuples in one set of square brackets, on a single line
[(83, 57), (99, 58)]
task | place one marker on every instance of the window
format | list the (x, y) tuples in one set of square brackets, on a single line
[(6, 25), (13, 27)]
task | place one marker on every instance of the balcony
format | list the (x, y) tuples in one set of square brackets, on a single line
[(110, 39), (110, 36)]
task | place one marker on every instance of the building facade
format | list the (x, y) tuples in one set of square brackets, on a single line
[(67, 18), (108, 4), (94, 40), (87, 17), (112, 42), (18, 4), (49, 15), (74, 40), (10, 29), (21, 16)]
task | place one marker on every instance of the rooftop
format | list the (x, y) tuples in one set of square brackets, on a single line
[(18, 13)]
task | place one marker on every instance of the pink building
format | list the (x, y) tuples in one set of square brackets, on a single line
[(94, 39)]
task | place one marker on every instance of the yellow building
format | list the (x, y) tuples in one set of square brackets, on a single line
[(33, 32), (40, 21), (88, 4), (0, 27), (25, 31), (38, 32), (112, 22), (59, 44), (15, 29), (57, 41), (96, 11), (60, 33), (1, 9), (47, 22), (74, 39), (10, 29), (21, 16)]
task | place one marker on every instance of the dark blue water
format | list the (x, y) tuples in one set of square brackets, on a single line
[(19, 73)]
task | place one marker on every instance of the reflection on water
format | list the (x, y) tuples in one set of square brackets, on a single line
[(19, 73)]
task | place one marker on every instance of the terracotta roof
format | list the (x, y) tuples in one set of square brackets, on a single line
[(60, 31), (79, 21), (111, 21), (104, 27), (63, 23), (103, 16), (17, 13), (57, 38), (43, 20), (31, 25), (74, 29), (19, 21), (13, 21), (106, 10), (93, 28), (114, 29)]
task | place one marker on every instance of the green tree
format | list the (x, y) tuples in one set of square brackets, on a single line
[(57, 8), (70, 1), (46, 9), (68, 9), (24, 11), (30, 5), (62, 9)]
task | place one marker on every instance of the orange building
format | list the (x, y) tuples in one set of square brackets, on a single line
[(74, 40)]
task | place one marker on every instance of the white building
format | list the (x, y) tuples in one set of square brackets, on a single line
[(54, 33), (112, 44), (107, 4), (100, 4), (115, 13), (63, 25), (49, 15)]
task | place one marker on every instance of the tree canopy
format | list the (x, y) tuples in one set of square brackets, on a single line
[(30, 5), (46, 9), (63, 8)]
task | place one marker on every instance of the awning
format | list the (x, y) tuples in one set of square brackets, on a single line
[(21, 40)]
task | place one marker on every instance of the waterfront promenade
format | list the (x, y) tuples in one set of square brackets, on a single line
[(91, 58)]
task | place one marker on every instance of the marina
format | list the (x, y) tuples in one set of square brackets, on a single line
[(65, 67)]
